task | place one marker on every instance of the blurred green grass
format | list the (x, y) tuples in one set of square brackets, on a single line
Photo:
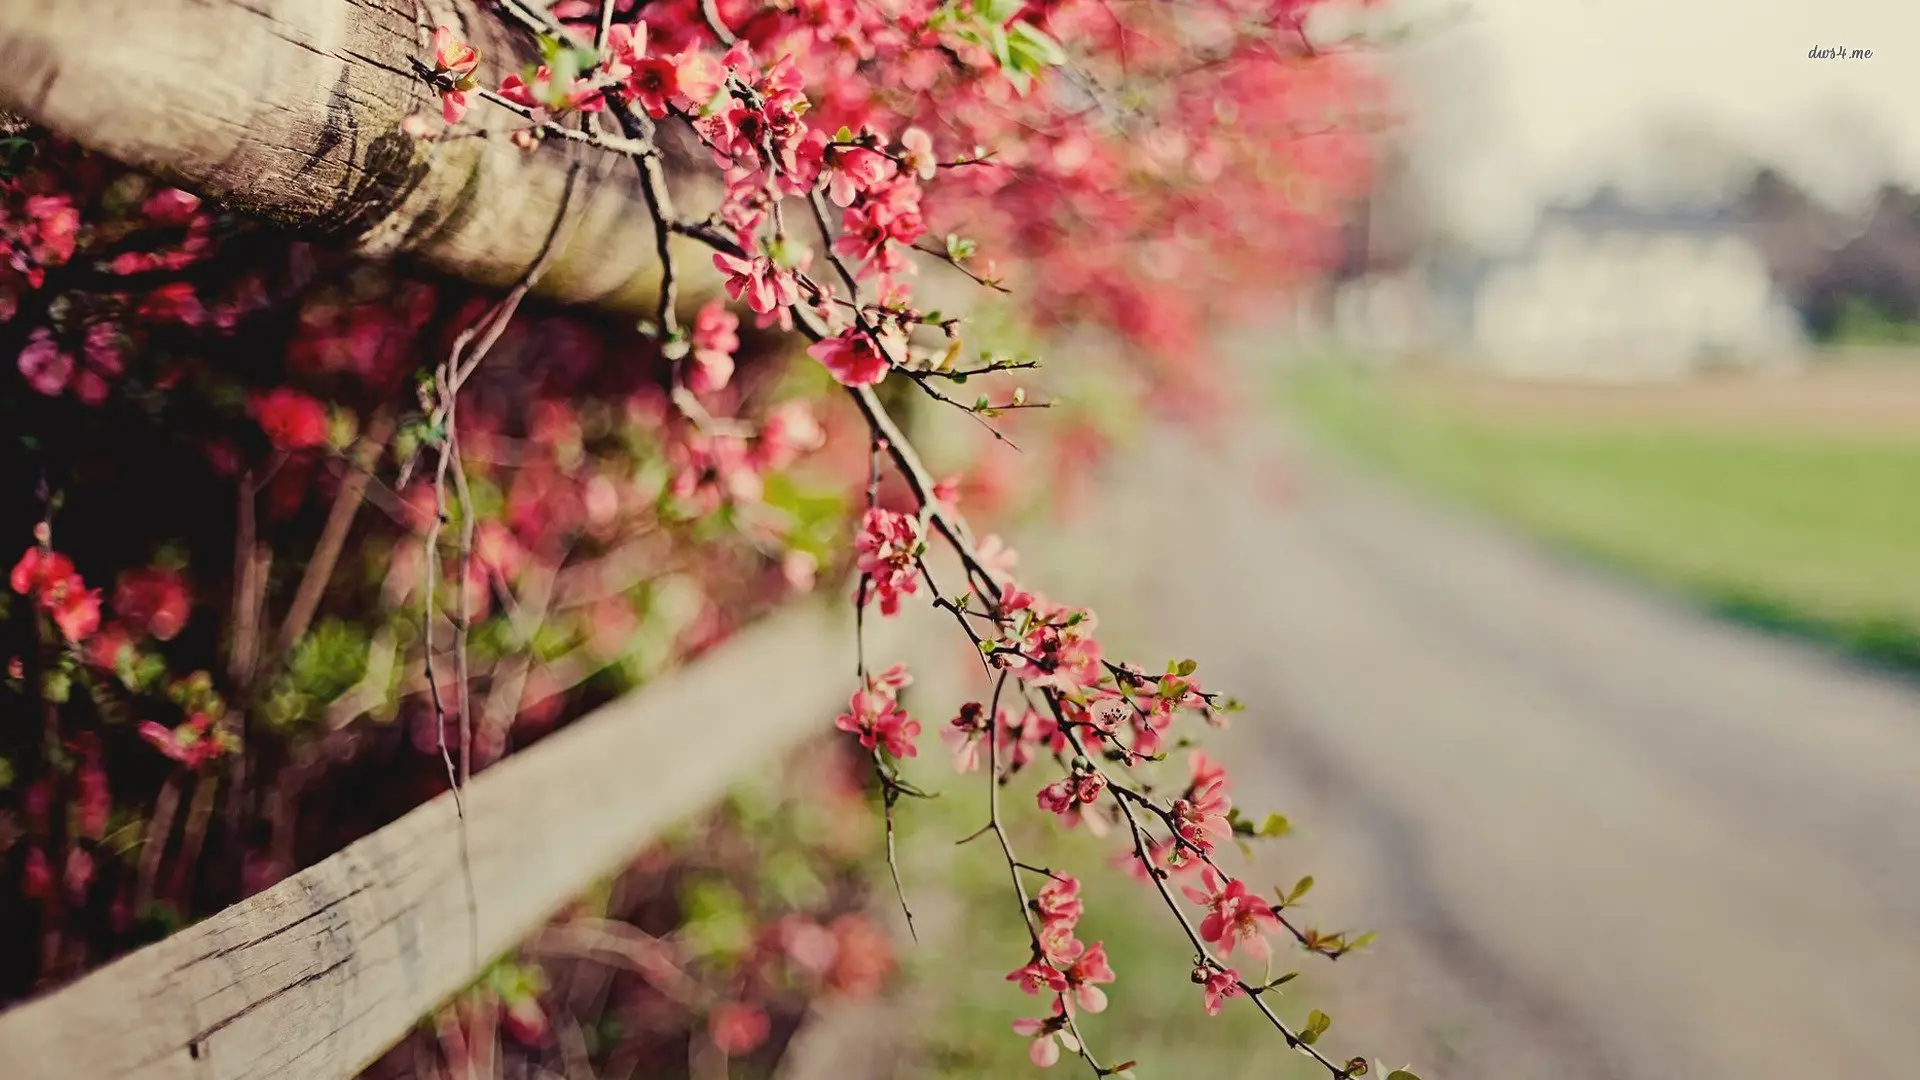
[(1811, 533), (1155, 1014)]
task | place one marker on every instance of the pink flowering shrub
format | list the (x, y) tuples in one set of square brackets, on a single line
[(588, 503)]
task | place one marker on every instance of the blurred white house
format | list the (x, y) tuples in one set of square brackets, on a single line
[(1603, 290)]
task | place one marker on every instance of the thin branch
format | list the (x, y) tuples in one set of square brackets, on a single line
[(333, 536)]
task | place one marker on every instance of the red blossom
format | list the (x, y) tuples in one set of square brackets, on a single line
[(152, 600), (57, 590), (738, 1027), (291, 419)]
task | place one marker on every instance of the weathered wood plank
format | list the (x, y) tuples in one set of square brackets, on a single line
[(317, 976), (290, 110)]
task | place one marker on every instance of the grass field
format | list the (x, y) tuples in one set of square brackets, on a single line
[(1793, 503)]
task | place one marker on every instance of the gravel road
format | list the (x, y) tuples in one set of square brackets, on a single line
[(1602, 835)]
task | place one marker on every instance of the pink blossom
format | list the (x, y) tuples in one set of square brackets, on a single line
[(994, 554), (880, 723), (764, 285), (1038, 975), (852, 171), (708, 469), (889, 547), (798, 569), (1220, 984), (714, 340), (1089, 969), (46, 366), (626, 46), (1058, 901), (1235, 915), (171, 206), (963, 736), (657, 82), (917, 147), (894, 678), (451, 55), (1023, 738), (1049, 1035), (1203, 811), (79, 873), (788, 431), (454, 61), (1074, 799), (852, 357)]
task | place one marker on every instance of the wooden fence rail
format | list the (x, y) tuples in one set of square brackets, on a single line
[(317, 976)]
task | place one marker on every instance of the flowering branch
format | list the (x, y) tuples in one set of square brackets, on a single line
[(748, 116)]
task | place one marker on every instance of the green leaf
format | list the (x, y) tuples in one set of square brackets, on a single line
[(1300, 888), (1401, 1074), (1186, 667), (1362, 941), (998, 12), (1283, 980), (1002, 50), (1034, 42), (1276, 825), (1317, 1025)]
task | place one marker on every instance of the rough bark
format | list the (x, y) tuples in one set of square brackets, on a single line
[(290, 110)]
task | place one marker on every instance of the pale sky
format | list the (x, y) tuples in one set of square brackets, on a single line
[(1518, 101)]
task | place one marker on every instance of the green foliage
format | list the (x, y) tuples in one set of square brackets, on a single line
[(1023, 51), (817, 515), (718, 928), (1808, 531), (1316, 1026), (330, 660), (1862, 322)]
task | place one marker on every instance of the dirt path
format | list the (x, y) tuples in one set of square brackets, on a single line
[(1602, 836)]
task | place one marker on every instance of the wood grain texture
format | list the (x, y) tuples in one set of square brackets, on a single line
[(317, 976), (290, 110)]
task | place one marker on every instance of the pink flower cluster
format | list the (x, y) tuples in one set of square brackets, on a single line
[(1075, 799), (1063, 966), (889, 547), (875, 716), (1051, 647)]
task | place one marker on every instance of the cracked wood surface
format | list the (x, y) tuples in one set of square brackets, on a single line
[(318, 975), (290, 110)]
